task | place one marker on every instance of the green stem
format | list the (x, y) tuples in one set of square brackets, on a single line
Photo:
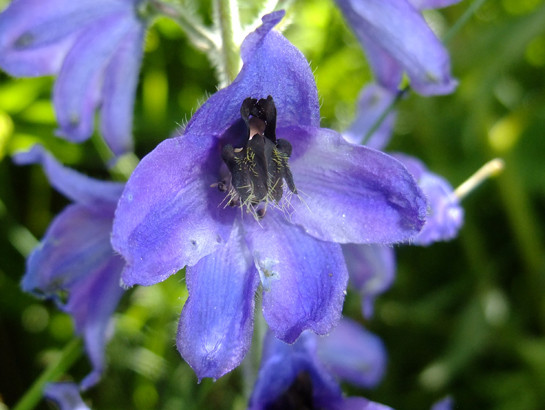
[(202, 37), (401, 93), (229, 24), (449, 35), (71, 352)]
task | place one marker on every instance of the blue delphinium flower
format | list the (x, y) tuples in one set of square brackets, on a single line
[(95, 49), (396, 39), (76, 257), (65, 395), (304, 375), (257, 146)]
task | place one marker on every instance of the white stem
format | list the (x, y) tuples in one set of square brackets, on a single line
[(488, 170)]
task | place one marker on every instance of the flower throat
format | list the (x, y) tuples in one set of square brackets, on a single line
[(257, 170)]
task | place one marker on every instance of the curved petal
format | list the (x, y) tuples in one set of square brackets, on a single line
[(373, 102), (77, 89), (445, 215), (118, 91), (168, 215), (353, 354), (216, 324), (303, 278), (372, 271), (350, 193), (92, 303), (76, 240), (35, 35), (65, 395), (78, 187), (399, 29), (291, 376), (272, 66), (388, 72)]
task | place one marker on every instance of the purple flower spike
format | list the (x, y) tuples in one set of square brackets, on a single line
[(254, 191), (295, 376), (445, 213), (95, 49), (65, 395), (396, 38), (76, 257)]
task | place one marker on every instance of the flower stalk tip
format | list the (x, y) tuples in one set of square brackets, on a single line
[(490, 169)]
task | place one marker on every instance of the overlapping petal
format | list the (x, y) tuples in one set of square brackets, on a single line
[(303, 278), (296, 366), (372, 271), (168, 215), (393, 30), (445, 213), (349, 193), (216, 324), (353, 354), (35, 35), (272, 66), (373, 102), (95, 47)]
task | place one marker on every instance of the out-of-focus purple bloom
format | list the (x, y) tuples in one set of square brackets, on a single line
[(65, 395), (76, 256), (445, 404), (397, 39), (371, 270), (445, 213), (373, 102), (432, 4), (303, 375), (174, 211), (95, 49)]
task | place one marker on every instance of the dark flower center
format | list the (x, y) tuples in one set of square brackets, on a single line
[(297, 397), (258, 169)]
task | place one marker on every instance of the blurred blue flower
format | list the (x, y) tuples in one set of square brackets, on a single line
[(65, 395), (184, 206), (397, 39), (304, 375), (95, 49), (75, 256)]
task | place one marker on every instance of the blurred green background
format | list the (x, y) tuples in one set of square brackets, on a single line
[(464, 318)]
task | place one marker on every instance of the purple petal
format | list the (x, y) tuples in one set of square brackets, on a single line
[(35, 35), (76, 239), (432, 4), (77, 89), (272, 66), (118, 92), (92, 303), (303, 278), (216, 324), (445, 404), (353, 354), (65, 395), (79, 188), (398, 29), (373, 102), (360, 403), (445, 214), (296, 366), (75, 256), (168, 215), (350, 193), (372, 270)]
